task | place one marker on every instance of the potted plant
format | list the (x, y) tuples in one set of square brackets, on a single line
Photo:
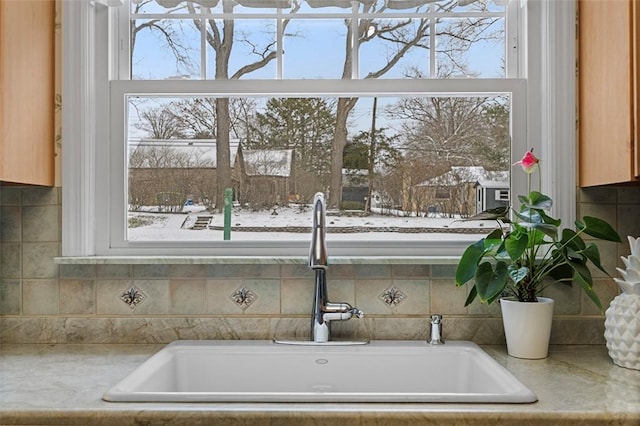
[(526, 252)]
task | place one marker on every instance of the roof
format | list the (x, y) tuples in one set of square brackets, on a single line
[(267, 162), (466, 174), (176, 153), (500, 184)]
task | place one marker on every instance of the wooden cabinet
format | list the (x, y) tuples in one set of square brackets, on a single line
[(27, 52), (608, 103)]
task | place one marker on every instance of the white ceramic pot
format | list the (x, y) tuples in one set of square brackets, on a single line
[(527, 327)]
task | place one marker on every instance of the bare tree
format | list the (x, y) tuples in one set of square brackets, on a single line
[(220, 36), (401, 36), (168, 32), (159, 123)]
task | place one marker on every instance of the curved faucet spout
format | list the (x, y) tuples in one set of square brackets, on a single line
[(323, 311)]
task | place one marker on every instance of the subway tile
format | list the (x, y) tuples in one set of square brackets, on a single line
[(340, 271), (10, 297), (10, 196), (443, 271), (268, 300), (368, 292), (10, 224), (447, 298), (373, 271), (567, 298), (294, 271), (338, 290), (77, 297), (219, 294), (150, 271), (628, 195), (628, 223), (224, 271), (114, 271), (597, 195), (40, 297), (261, 271), (41, 223), (77, 271), (108, 297), (40, 196), (37, 260), (296, 296), (417, 301), (156, 297), (410, 271), (11, 260), (188, 271), (187, 296)]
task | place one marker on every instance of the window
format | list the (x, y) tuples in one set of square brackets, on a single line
[(276, 100), (502, 195)]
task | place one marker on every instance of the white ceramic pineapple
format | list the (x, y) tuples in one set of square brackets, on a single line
[(622, 318)]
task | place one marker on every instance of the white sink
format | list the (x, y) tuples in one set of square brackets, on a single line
[(263, 371)]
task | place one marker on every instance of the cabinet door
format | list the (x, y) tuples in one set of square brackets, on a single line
[(606, 90), (27, 91)]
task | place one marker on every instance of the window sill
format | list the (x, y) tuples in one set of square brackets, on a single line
[(260, 260)]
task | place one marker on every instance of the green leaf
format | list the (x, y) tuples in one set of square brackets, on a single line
[(471, 297), (498, 213), (546, 228), (540, 201), (468, 264), (490, 282), (599, 228), (593, 254), (496, 234), (517, 274), (588, 288), (548, 219), (516, 244), (494, 298), (572, 240), (562, 272), (536, 238), (581, 269), (527, 215)]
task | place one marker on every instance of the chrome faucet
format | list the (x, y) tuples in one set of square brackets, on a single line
[(323, 311), (436, 330)]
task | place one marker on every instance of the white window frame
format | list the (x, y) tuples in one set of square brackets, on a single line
[(548, 116), (502, 195)]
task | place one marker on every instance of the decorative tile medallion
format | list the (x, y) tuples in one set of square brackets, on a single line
[(392, 296), (244, 297), (132, 297)]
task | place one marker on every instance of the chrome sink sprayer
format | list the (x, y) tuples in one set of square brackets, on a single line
[(436, 330), (323, 311)]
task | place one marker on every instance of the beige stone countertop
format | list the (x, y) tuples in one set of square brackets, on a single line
[(63, 384)]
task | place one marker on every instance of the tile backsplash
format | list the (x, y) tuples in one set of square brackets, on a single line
[(43, 302)]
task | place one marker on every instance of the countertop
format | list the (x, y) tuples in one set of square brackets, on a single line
[(63, 384)]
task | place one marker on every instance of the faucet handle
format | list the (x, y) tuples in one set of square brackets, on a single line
[(357, 312)]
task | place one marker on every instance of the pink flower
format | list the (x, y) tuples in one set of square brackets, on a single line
[(529, 162)]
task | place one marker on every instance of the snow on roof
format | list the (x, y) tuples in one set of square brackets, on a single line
[(176, 153), (267, 162), (493, 183), (466, 174)]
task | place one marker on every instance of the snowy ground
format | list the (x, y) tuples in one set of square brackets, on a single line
[(154, 226)]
